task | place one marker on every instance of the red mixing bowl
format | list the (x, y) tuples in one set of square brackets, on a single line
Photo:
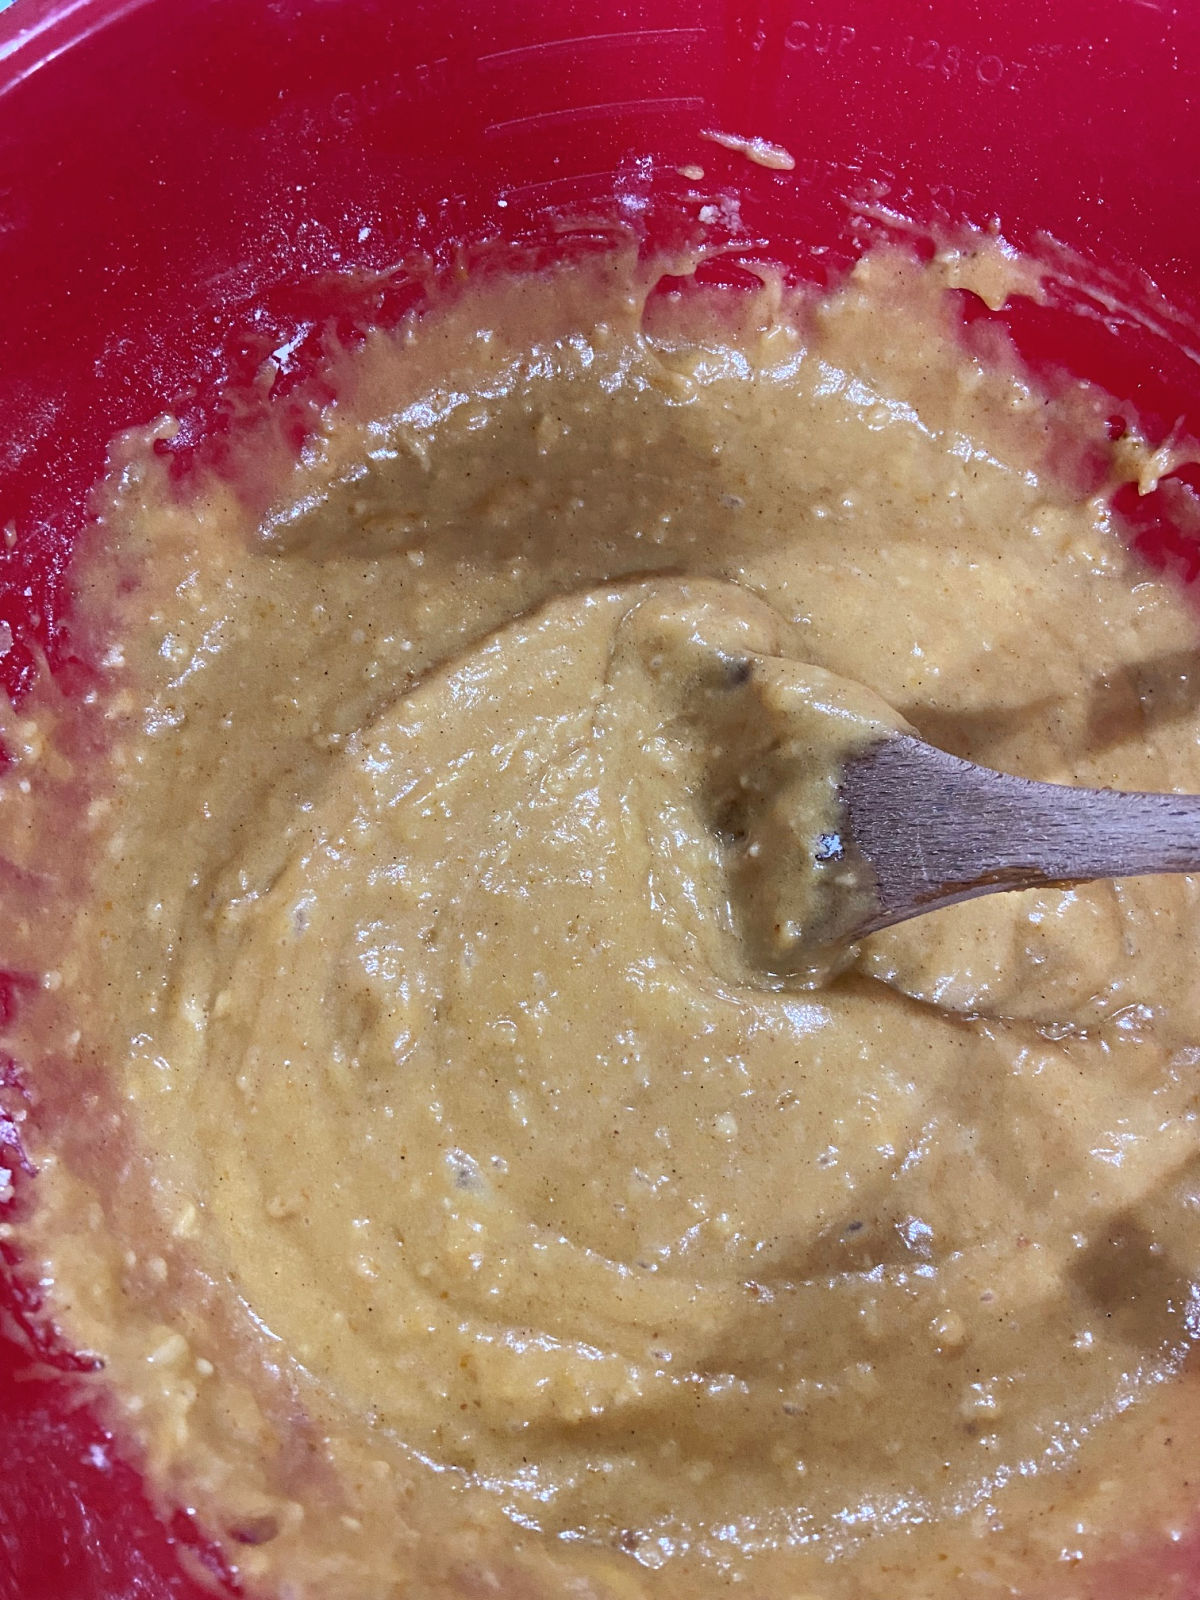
[(189, 185)]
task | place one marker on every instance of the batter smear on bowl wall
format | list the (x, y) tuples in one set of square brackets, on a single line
[(454, 1204)]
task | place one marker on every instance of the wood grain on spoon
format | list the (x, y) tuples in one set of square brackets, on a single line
[(926, 829)]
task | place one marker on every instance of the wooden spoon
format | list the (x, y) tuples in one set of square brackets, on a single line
[(921, 829), (835, 819)]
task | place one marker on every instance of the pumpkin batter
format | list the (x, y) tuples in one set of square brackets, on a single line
[(455, 1199)]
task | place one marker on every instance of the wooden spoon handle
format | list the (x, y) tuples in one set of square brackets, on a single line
[(935, 829)]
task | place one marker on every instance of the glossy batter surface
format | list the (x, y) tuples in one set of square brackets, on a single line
[(457, 1203)]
